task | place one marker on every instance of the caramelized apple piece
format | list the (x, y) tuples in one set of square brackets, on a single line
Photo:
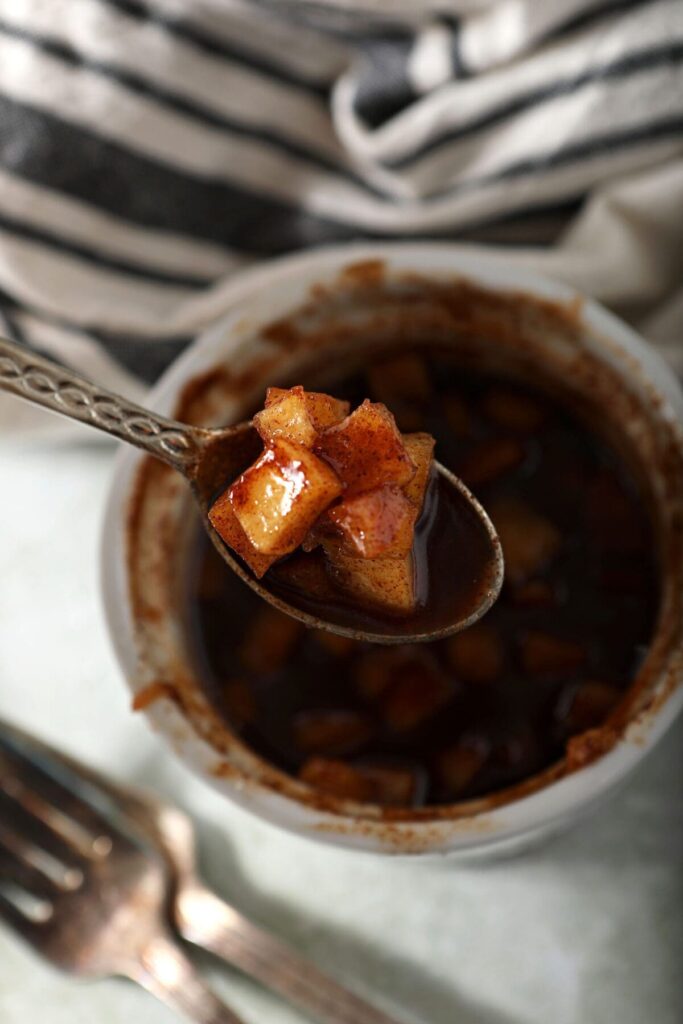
[(307, 573), (323, 410), (377, 522), (460, 764), (286, 416), (587, 705), (392, 786), (402, 383), (512, 410), (281, 495), (269, 640), (226, 524), (376, 669), (338, 646), (420, 448), (239, 702), (544, 654), (386, 583), (337, 778), (490, 459), (331, 731), (529, 541), (418, 692), (366, 450), (400, 377), (476, 654)]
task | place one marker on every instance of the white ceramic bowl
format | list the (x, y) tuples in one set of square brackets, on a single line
[(151, 648)]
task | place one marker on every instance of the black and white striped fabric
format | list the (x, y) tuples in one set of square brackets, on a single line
[(151, 148)]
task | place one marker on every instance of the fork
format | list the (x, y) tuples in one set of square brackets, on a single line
[(198, 914), (88, 897)]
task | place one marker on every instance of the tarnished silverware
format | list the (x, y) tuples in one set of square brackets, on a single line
[(88, 897), (199, 915), (208, 459)]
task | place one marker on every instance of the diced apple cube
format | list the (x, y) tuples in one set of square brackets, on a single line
[(400, 377), (239, 702), (227, 526), (366, 449), (338, 646), (513, 410), (306, 573), (488, 460), (287, 417), (387, 583), (529, 541), (377, 522), (587, 705), (418, 692), (376, 670), (392, 786), (331, 731), (324, 410), (269, 640), (476, 654), (545, 654), (459, 765), (336, 778), (420, 448), (281, 495)]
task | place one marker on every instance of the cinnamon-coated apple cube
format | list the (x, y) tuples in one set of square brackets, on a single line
[(324, 410), (377, 668), (490, 459), (476, 654), (419, 691), (377, 522), (336, 778), (513, 410), (420, 448), (306, 573), (287, 417), (391, 785), (331, 731), (399, 377), (587, 705), (269, 640), (529, 541), (459, 765), (546, 654), (366, 449), (281, 495), (226, 524), (387, 583)]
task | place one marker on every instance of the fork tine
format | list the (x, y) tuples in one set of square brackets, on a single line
[(31, 827), (17, 869), (47, 774), (22, 924)]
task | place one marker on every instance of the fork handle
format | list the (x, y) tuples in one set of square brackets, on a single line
[(165, 971), (205, 920), (55, 387)]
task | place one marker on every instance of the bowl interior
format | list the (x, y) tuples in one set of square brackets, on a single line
[(340, 317)]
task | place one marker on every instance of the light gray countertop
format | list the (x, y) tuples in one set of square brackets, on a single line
[(587, 929)]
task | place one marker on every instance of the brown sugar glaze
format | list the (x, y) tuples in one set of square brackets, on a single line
[(462, 717)]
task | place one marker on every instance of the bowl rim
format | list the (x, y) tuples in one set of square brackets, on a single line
[(558, 800)]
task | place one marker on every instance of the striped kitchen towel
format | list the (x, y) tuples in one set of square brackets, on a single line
[(151, 148)]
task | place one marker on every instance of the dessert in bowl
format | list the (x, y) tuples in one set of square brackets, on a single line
[(565, 426)]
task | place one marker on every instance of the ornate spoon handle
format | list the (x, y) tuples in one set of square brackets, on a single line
[(61, 390)]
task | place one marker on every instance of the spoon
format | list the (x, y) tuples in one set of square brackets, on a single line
[(210, 458)]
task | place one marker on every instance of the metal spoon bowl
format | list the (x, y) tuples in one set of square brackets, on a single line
[(208, 459)]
